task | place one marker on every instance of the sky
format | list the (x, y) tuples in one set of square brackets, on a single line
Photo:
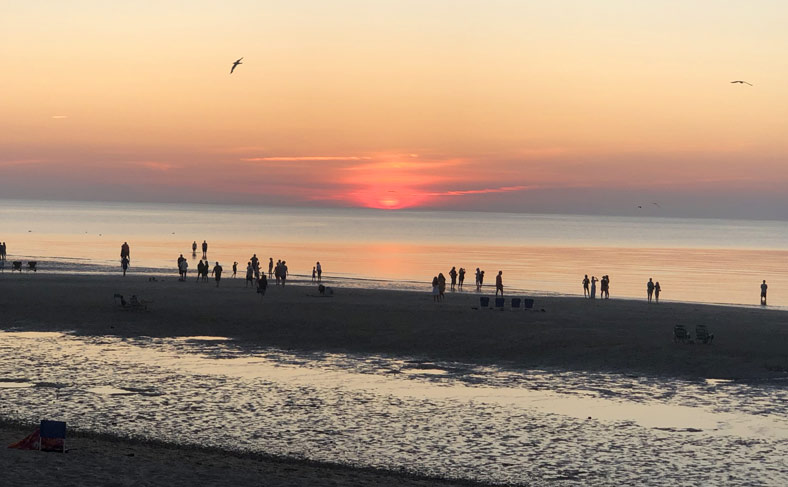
[(597, 106)]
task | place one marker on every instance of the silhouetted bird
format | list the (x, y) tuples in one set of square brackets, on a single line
[(235, 65), (741, 82)]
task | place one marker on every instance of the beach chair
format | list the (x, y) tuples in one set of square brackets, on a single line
[(31, 266), (16, 266), (484, 302), (500, 303), (680, 334), (702, 334), (516, 303), (52, 436), (2, 266), (528, 303)]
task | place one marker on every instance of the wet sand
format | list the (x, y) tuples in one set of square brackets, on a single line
[(630, 337), (624, 336), (101, 460)]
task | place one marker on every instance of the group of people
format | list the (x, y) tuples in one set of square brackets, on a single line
[(653, 288), (204, 249), (589, 287), (3, 253), (457, 280)]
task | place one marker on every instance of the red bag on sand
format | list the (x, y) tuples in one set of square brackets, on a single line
[(33, 440)]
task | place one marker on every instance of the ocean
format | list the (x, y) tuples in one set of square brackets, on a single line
[(694, 260)]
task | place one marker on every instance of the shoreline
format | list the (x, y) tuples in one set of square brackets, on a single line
[(99, 459), (617, 335)]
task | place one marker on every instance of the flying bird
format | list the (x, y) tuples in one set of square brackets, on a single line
[(235, 65), (741, 82)]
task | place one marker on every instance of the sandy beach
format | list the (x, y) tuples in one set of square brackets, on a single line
[(625, 336), (619, 336)]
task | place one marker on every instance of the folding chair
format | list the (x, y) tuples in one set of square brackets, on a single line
[(484, 302), (52, 436), (17, 266), (516, 303), (528, 303), (31, 265)]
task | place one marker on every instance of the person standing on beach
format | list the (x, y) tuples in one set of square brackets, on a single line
[(477, 278), (603, 292), (2, 251), (283, 272), (314, 274), (461, 278), (650, 288), (319, 269), (262, 285), (586, 282), (592, 295), (217, 272), (124, 251), (124, 264), (481, 280), (204, 249), (249, 274), (435, 290), (270, 267), (194, 248), (200, 268), (235, 269), (764, 287), (441, 286), (453, 275), (657, 289), (183, 267), (499, 283), (278, 271), (607, 286)]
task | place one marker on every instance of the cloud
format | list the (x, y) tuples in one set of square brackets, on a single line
[(502, 189), (304, 158), (59, 116)]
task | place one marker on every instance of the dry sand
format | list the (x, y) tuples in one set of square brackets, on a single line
[(622, 336)]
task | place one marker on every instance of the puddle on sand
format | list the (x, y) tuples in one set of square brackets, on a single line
[(448, 419)]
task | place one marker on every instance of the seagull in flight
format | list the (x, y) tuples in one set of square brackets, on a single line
[(235, 65), (741, 82)]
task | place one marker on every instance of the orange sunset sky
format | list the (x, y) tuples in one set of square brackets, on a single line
[(566, 106)]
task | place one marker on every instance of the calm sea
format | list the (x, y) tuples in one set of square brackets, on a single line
[(699, 260)]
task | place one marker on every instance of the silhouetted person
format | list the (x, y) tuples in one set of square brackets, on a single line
[(604, 291), (441, 286), (283, 273), (204, 249), (764, 287), (593, 288), (657, 289), (270, 267), (477, 278), (255, 262), (319, 269), (586, 282), (262, 285), (453, 275), (217, 273), (124, 264), (499, 283), (314, 274), (481, 280), (2, 251), (183, 267), (435, 290), (200, 270), (249, 275), (235, 268), (125, 252), (650, 288), (194, 248), (180, 268), (461, 277)]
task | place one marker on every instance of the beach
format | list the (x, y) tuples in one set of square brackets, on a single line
[(625, 336), (102, 460)]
